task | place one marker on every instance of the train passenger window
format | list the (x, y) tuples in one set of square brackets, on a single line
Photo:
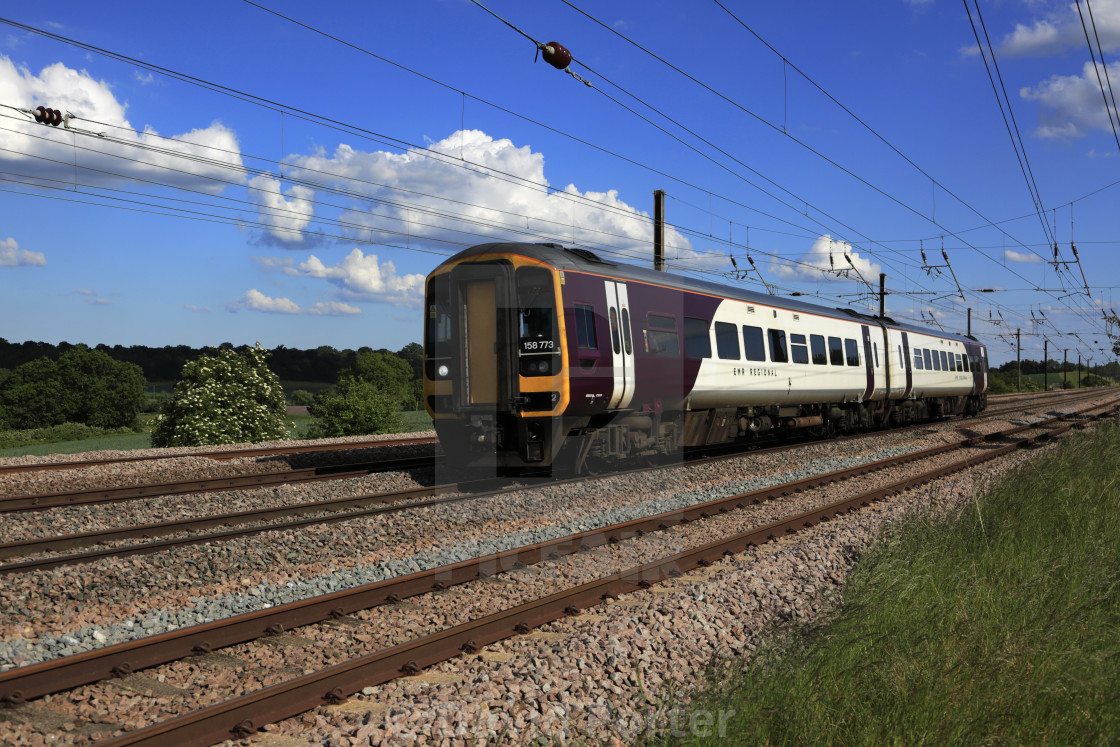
[(627, 341), (816, 345), (615, 346), (799, 349), (778, 353), (727, 341), (937, 361), (585, 327), (929, 363), (944, 361), (536, 304), (875, 347), (918, 360), (835, 351), (853, 351), (753, 344), (661, 339), (965, 359), (697, 343)]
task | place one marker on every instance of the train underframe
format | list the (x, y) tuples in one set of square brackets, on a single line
[(507, 444)]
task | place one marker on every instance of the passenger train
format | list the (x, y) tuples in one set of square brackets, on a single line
[(539, 356)]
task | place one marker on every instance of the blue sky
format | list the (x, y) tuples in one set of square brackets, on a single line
[(305, 208)]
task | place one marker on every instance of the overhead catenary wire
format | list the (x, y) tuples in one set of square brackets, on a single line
[(774, 126), (1008, 115), (1112, 112), (400, 141)]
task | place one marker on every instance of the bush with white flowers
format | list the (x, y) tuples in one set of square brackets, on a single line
[(230, 397)]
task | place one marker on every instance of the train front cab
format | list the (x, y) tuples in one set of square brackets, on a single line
[(495, 362)]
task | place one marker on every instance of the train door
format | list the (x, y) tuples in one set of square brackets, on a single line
[(622, 345), (909, 369), (482, 338), (979, 371), (868, 363)]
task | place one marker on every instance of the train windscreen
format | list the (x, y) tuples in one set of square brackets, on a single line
[(536, 304)]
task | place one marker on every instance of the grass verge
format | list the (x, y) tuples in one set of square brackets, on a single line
[(417, 420), (995, 627)]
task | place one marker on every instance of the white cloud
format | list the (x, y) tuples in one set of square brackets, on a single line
[(12, 256), (197, 309), (363, 277), (91, 297), (825, 261), (1043, 37), (1072, 104), (257, 301), (92, 101), (287, 212), (470, 188), (1013, 256), (1062, 29)]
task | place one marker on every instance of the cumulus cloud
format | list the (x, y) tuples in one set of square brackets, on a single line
[(91, 297), (825, 261), (359, 276), (36, 150), (1072, 104), (12, 256), (257, 301), (1061, 29), (286, 212), (1011, 255), (469, 188)]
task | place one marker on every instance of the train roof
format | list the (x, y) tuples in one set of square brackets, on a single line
[(583, 260)]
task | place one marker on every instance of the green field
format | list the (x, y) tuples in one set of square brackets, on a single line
[(418, 420), (998, 627)]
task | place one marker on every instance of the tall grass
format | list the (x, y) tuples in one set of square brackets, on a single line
[(1000, 626)]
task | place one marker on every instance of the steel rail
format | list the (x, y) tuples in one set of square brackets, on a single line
[(21, 684), (85, 539), (310, 448), (90, 496), (217, 455), (242, 716)]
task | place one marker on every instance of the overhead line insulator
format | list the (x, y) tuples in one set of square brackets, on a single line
[(557, 55), (52, 117)]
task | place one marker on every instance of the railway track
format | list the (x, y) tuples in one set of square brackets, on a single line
[(340, 509), (241, 716), (262, 451), (89, 496), (39, 501)]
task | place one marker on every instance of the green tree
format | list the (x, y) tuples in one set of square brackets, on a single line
[(84, 386), (413, 355), (388, 373), (225, 398), (33, 396), (354, 407), (301, 398), (101, 392), (366, 399)]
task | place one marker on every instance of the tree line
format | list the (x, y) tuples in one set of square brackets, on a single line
[(222, 394), (322, 364)]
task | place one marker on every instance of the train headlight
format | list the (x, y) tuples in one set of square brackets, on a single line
[(443, 370)]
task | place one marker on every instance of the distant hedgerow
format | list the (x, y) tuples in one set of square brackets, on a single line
[(226, 398)]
